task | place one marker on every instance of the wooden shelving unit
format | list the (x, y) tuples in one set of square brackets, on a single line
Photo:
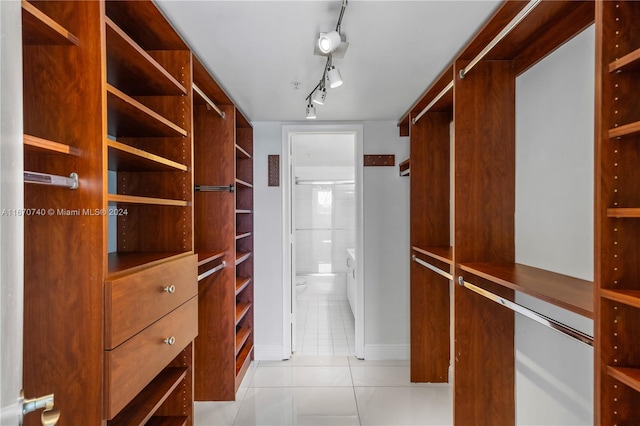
[(617, 353), (224, 223), (244, 245), (122, 115), (472, 235)]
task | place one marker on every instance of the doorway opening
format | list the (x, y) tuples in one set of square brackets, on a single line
[(323, 251)]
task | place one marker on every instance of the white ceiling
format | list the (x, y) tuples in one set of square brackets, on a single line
[(257, 49)]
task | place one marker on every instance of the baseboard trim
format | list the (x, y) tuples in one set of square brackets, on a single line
[(267, 353)]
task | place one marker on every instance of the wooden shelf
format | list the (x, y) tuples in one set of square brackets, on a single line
[(242, 362), (241, 337), (628, 297), (626, 375), (127, 262), (567, 292), (628, 62), (44, 146), (241, 284), (443, 254), (133, 199), (128, 117), (242, 154), (168, 421), (39, 29), (241, 183), (204, 258), (405, 167), (242, 256), (241, 310), (133, 70), (629, 212), (145, 404), (243, 235), (631, 129), (123, 157)]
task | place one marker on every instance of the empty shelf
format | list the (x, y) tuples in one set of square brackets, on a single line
[(45, 146), (628, 376), (567, 292), (628, 297), (123, 157), (128, 117), (241, 284), (132, 69), (38, 28), (631, 129), (241, 310), (145, 404), (628, 62), (443, 254), (133, 199)]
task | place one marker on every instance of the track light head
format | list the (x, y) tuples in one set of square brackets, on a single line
[(335, 79), (319, 95), (311, 112), (328, 42)]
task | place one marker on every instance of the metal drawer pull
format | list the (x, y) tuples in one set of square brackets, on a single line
[(170, 289), (170, 341)]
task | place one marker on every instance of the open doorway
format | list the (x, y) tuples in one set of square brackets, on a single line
[(323, 227)]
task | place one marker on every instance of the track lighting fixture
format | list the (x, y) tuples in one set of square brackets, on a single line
[(328, 43), (319, 95), (311, 112), (335, 79)]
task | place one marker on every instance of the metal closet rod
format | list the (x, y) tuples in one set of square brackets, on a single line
[(433, 268), (212, 271), (214, 188), (71, 182), (208, 101), (506, 30), (537, 317), (433, 102)]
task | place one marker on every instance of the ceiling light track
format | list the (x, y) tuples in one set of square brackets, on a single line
[(327, 44)]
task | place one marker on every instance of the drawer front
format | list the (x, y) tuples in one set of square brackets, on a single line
[(134, 301), (132, 365)]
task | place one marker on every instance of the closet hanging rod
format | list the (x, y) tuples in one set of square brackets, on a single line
[(506, 30), (324, 182), (539, 318), (212, 271), (71, 182), (208, 101), (433, 268), (433, 102), (214, 188)]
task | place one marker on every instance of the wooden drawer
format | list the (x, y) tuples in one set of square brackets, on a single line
[(134, 301), (132, 365)]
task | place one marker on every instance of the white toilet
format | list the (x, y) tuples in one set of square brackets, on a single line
[(301, 285)]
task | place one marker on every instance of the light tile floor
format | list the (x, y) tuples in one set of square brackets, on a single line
[(338, 390), (324, 328)]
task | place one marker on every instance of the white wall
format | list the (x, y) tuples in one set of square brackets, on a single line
[(554, 228), (386, 240), (11, 226)]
